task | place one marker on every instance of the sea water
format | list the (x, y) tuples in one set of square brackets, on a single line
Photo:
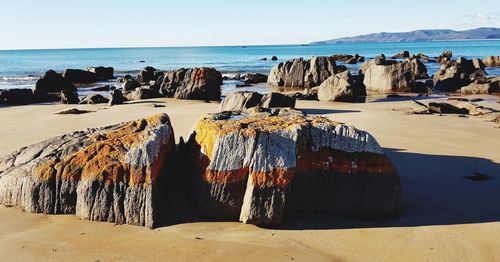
[(21, 68)]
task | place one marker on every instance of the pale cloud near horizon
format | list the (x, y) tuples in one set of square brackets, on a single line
[(490, 19)]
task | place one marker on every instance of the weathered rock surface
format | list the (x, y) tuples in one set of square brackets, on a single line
[(94, 99), (255, 78), (241, 101), (340, 87), (480, 88), (384, 76), (456, 74), (445, 57), (349, 59), (256, 168), (108, 174), (130, 84), (302, 73), (16, 96), (147, 74), (142, 93), (53, 82), (492, 61), (194, 83)]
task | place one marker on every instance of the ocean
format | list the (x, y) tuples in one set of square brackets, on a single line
[(21, 68)]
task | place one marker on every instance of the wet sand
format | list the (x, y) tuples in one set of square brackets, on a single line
[(445, 216)]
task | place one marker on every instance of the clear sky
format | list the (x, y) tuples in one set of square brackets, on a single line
[(124, 23)]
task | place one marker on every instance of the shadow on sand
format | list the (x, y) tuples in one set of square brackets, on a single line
[(435, 192), (327, 111)]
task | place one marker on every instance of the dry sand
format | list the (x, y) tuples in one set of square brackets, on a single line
[(445, 217)]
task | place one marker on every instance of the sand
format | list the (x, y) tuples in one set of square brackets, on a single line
[(445, 216)]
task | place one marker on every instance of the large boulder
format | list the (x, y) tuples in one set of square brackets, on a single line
[(94, 99), (386, 77), (456, 74), (110, 174), (147, 74), (482, 86), (69, 97), (272, 100), (102, 73), (194, 83), (130, 84), (340, 87), (418, 68), (79, 76), (492, 61), (17, 96), (300, 73), (53, 82), (259, 167)]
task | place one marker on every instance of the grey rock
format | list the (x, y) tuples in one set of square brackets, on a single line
[(340, 87)]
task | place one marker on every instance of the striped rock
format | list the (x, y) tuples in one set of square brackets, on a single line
[(107, 174), (257, 167)]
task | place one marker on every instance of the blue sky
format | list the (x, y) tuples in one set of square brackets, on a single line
[(114, 23)]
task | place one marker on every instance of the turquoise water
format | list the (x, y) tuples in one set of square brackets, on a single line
[(20, 68)]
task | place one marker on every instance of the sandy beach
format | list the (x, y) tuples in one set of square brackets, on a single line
[(445, 217)]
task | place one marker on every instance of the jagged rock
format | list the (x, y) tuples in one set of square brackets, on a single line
[(240, 101), (102, 73), (194, 83), (53, 82), (418, 68), (255, 78), (424, 57), (473, 109), (302, 73), (17, 96), (130, 84), (147, 74), (108, 174), (402, 54), (259, 167), (79, 76), (340, 87), (445, 57), (454, 75), (419, 108), (142, 93), (69, 97), (124, 78), (492, 61), (348, 59), (272, 100), (116, 98), (94, 99), (385, 77)]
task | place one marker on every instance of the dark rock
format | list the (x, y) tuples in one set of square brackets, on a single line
[(142, 93), (16, 96), (402, 54), (116, 98), (255, 78), (69, 97), (454, 75), (102, 73), (446, 108), (103, 88), (124, 78), (274, 58), (264, 59), (445, 57), (130, 85), (79, 76), (194, 83), (147, 74), (53, 82), (94, 99), (73, 111)]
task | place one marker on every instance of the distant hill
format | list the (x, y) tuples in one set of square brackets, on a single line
[(420, 36)]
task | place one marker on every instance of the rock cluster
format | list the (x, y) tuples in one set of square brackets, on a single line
[(349, 59), (455, 74), (492, 61), (258, 167), (108, 174), (194, 83)]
